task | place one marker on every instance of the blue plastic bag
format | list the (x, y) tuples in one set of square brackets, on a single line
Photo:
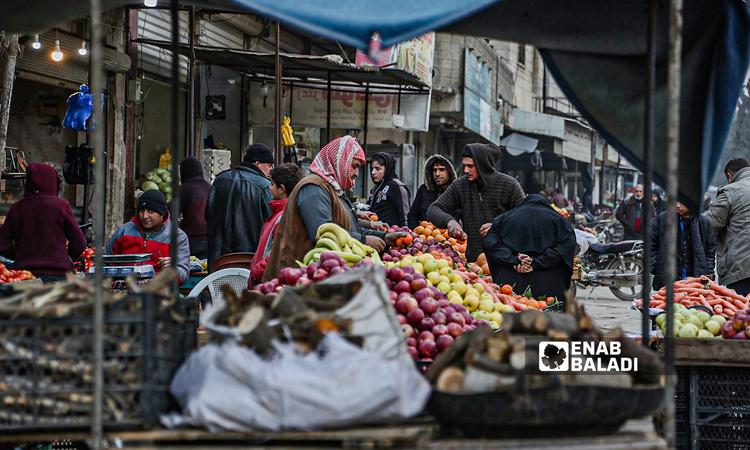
[(80, 107)]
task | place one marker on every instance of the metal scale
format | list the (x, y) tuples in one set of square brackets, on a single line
[(122, 266)]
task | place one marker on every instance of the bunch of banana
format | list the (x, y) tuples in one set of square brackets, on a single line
[(332, 238)]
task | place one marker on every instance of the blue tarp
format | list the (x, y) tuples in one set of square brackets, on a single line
[(594, 49)]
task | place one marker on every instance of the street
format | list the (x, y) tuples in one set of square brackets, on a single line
[(609, 312)]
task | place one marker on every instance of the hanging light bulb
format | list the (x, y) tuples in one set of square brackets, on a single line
[(36, 45), (57, 54), (150, 3), (82, 51)]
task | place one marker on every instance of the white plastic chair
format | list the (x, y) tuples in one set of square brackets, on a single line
[(235, 277)]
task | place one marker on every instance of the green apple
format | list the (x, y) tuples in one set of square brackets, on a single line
[(713, 327), (433, 277), (471, 302), (718, 319), (487, 305), (460, 287), (703, 334), (688, 330), (444, 287)]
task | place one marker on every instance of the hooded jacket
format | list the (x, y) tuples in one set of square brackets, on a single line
[(429, 191), (730, 216), (630, 214), (390, 199), (193, 199), (479, 201), (702, 247), (537, 230), (238, 205), (131, 239), (38, 227)]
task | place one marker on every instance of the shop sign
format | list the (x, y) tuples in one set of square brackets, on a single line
[(309, 109), (414, 56), (479, 114)]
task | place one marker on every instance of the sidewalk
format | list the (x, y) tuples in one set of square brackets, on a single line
[(609, 312)]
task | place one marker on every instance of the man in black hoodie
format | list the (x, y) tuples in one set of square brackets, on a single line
[(481, 194), (193, 198), (389, 199), (439, 174)]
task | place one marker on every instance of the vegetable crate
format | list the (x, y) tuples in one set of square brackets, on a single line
[(46, 371), (712, 408)]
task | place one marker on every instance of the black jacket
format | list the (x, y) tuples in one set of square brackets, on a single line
[(429, 191), (627, 215), (193, 198), (703, 249), (390, 199), (535, 229), (478, 201), (238, 205)]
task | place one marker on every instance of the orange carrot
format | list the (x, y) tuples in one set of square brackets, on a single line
[(726, 292)]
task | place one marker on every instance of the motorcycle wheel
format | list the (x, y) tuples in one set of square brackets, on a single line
[(628, 264)]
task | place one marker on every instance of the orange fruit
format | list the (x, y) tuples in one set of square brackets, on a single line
[(436, 233), (424, 224), (419, 229), (506, 289), (481, 259), (485, 269)]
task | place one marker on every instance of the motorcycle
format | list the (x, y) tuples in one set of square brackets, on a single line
[(618, 266)]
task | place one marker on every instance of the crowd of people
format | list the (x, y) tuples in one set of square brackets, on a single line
[(274, 213)]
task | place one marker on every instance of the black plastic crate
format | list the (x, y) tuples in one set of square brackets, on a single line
[(712, 408), (46, 371)]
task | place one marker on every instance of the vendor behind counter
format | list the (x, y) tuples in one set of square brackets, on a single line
[(40, 232)]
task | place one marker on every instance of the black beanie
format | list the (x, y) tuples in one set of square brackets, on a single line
[(154, 200), (260, 153)]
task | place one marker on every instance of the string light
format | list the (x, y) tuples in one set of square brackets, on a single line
[(82, 51), (36, 45), (150, 3), (57, 54)]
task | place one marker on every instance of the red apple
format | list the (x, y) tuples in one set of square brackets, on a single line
[(425, 336), (396, 274), (443, 303), (468, 328), (406, 304), (455, 329), (409, 277), (468, 318), (408, 269), (481, 323), (418, 284), (407, 330), (394, 296), (429, 306), (413, 352), (320, 275), (423, 294), (427, 348), (448, 311), (459, 308), (439, 330), (303, 280), (330, 264), (402, 286), (311, 270), (401, 319), (415, 316), (443, 342), (439, 317), (426, 324), (411, 342)]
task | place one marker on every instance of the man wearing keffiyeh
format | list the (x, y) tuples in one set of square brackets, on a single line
[(320, 198)]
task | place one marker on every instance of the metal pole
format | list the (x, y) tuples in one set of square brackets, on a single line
[(175, 137), (648, 156), (279, 87), (97, 132), (191, 89), (328, 110), (6, 89), (367, 116), (673, 151)]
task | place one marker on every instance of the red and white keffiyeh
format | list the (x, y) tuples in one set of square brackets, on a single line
[(334, 162)]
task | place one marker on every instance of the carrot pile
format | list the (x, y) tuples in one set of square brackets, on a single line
[(504, 294), (702, 291)]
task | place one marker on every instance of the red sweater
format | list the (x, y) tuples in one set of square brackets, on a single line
[(267, 233)]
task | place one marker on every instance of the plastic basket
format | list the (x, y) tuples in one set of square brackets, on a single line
[(712, 408), (46, 375)]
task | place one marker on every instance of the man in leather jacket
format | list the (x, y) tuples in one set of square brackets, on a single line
[(238, 205)]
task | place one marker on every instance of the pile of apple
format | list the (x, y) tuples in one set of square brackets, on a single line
[(738, 327), (429, 321), (330, 264)]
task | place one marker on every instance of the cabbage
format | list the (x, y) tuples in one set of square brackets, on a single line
[(148, 185)]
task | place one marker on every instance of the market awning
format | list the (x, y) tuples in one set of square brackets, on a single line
[(596, 51), (517, 144), (302, 67)]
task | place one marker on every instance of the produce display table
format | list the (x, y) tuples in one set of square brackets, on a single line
[(712, 395), (635, 435)]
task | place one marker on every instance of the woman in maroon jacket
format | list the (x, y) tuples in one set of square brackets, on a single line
[(40, 232), (193, 198)]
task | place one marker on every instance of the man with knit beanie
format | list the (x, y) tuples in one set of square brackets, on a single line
[(238, 205), (149, 232)]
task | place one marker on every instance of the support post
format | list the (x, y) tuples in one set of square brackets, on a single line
[(97, 133), (367, 116), (190, 150), (648, 156), (9, 75), (175, 137), (279, 87), (328, 110), (673, 152)]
